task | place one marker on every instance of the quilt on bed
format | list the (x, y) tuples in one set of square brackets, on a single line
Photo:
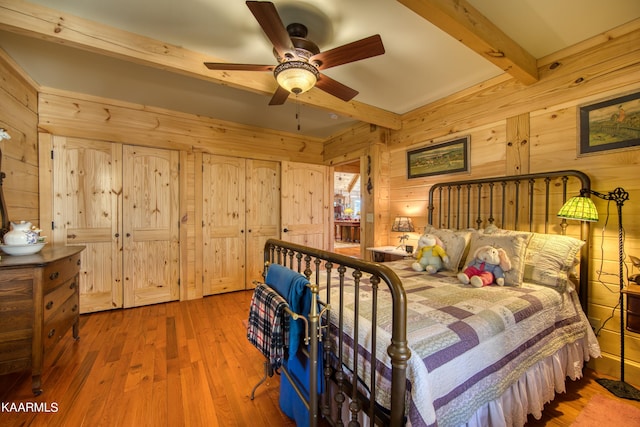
[(468, 344)]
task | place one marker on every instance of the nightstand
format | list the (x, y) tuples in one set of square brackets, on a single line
[(633, 307), (387, 253)]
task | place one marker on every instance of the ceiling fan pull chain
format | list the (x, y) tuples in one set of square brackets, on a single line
[(298, 112)]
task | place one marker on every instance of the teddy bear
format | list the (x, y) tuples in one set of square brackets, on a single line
[(487, 266), (430, 256)]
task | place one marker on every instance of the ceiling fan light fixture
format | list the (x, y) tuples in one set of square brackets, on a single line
[(296, 76)]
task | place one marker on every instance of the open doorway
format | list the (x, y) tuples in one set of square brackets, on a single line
[(347, 208)]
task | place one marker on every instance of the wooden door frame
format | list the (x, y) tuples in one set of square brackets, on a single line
[(362, 172)]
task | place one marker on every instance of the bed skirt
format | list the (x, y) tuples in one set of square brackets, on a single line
[(535, 388)]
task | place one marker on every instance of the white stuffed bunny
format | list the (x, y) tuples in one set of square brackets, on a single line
[(488, 265)]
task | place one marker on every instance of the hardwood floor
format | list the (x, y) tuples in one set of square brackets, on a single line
[(174, 364), (564, 409), (353, 251), (179, 364)]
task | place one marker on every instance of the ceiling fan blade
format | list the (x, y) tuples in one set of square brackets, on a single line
[(267, 16), (335, 88), (237, 67), (280, 96), (351, 52)]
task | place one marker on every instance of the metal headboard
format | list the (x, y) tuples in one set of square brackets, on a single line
[(518, 202)]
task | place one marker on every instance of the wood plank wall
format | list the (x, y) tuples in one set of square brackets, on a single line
[(19, 117), (518, 129), (85, 116)]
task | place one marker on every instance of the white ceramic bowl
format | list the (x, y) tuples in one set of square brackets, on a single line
[(22, 249)]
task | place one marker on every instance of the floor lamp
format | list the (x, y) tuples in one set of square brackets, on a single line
[(582, 208)]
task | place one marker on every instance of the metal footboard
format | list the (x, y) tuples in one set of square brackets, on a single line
[(314, 264)]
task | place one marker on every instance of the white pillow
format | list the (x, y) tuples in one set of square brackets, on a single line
[(550, 259)]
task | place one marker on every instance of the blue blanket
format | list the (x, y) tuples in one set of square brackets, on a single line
[(292, 286), (300, 370)]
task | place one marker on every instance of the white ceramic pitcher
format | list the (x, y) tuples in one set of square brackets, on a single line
[(21, 234)]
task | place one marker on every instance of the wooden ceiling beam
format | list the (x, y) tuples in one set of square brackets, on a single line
[(353, 167), (467, 25), (354, 180), (55, 26)]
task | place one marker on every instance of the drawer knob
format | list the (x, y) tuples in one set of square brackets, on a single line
[(51, 333), (78, 263), (75, 308), (72, 285), (54, 275), (49, 305)]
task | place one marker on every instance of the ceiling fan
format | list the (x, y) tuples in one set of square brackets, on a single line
[(299, 59)]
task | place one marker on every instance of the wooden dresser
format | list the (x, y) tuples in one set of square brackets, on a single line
[(38, 305)]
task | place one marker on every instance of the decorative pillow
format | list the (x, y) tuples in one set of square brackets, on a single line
[(550, 260), (494, 229), (514, 244), (456, 243)]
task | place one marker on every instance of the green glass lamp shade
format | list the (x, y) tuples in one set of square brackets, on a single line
[(579, 208)]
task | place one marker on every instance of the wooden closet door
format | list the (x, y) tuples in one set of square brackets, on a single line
[(223, 225), (263, 213), (306, 204), (87, 184), (150, 225)]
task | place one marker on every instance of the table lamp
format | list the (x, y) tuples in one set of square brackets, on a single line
[(402, 224)]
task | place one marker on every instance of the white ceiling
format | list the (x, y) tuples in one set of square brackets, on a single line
[(421, 64)]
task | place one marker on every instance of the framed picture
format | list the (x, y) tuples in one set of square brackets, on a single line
[(448, 157), (609, 124)]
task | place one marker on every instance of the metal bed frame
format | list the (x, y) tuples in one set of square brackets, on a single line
[(460, 204)]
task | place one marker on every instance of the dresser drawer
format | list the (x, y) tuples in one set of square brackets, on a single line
[(60, 322), (16, 304), (54, 299), (59, 272), (15, 354)]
